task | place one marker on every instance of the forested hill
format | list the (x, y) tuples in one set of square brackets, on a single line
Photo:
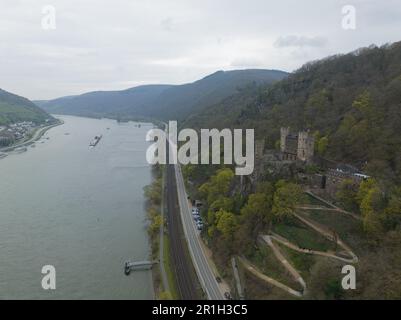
[(119, 104), (165, 102), (14, 108), (351, 102)]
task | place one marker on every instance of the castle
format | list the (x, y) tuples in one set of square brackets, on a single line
[(297, 146)]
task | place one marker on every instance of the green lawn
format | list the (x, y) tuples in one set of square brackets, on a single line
[(349, 229), (314, 202), (266, 261), (301, 261), (305, 237)]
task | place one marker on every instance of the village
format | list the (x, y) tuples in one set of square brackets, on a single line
[(16, 132)]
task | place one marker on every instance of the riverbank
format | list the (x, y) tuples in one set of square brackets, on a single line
[(38, 134), (164, 283)]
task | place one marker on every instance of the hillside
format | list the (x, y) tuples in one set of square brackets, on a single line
[(14, 108), (352, 104), (165, 102), (119, 104), (351, 101)]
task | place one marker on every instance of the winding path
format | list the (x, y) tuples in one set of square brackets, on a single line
[(268, 239)]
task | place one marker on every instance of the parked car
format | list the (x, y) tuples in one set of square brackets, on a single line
[(227, 295)]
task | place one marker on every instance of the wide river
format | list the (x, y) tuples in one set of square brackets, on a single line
[(79, 209)]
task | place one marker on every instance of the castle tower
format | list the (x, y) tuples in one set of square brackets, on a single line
[(306, 146), (284, 132)]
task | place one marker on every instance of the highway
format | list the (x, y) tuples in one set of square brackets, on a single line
[(184, 274), (203, 269)]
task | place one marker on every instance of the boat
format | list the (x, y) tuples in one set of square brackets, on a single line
[(20, 150), (127, 268), (95, 141)]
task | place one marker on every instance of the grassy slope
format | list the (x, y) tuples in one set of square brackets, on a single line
[(14, 108)]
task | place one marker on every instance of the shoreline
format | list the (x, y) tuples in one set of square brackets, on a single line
[(36, 136)]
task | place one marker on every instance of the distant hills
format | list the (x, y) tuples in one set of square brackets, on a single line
[(166, 102), (14, 108)]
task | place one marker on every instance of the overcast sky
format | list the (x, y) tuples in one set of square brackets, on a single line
[(117, 44)]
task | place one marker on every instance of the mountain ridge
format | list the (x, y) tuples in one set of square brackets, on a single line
[(166, 102)]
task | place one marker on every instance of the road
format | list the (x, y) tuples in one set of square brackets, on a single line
[(203, 269), (184, 274)]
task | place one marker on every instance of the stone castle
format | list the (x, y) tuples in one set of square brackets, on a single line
[(299, 146)]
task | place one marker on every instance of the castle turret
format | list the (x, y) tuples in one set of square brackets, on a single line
[(284, 132), (306, 146)]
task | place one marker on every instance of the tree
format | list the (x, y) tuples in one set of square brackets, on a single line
[(226, 224), (219, 185), (258, 209), (346, 194), (287, 196), (165, 295), (370, 210), (364, 189), (392, 212), (222, 203), (155, 225), (153, 192), (322, 145)]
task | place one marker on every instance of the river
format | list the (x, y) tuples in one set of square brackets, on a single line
[(77, 208)]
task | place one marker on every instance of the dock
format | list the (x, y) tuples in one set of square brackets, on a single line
[(138, 266)]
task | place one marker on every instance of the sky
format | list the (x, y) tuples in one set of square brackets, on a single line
[(118, 44)]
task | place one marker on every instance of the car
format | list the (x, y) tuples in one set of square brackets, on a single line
[(198, 219), (227, 295), (199, 226)]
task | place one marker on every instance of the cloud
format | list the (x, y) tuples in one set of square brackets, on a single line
[(167, 24), (104, 45), (300, 41)]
